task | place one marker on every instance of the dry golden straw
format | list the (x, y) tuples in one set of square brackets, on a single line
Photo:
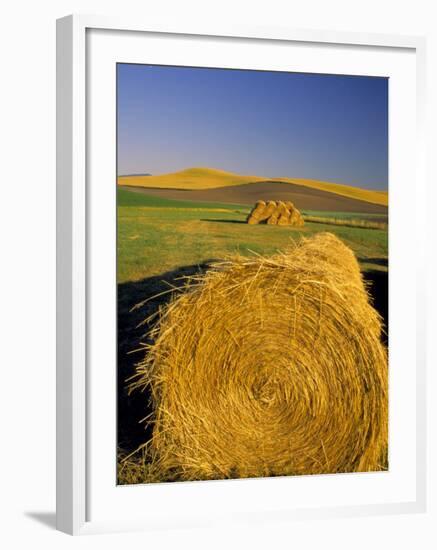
[(269, 366), (275, 213), (261, 212)]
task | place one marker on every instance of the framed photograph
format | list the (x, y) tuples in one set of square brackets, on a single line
[(240, 275)]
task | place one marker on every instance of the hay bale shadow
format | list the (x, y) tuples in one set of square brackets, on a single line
[(378, 288), (222, 221), (132, 408)]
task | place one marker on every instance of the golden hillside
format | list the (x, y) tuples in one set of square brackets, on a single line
[(209, 178)]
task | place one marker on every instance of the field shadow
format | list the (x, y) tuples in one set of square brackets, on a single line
[(132, 408), (375, 261), (131, 336), (223, 221), (377, 283)]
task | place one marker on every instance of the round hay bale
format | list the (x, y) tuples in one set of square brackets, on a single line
[(283, 219), (283, 214), (274, 216), (256, 212), (270, 208), (296, 219), (269, 366)]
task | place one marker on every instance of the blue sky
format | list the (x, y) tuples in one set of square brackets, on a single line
[(265, 123)]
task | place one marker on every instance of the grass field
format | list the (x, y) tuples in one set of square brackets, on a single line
[(161, 240), (158, 235), (209, 178), (129, 198)]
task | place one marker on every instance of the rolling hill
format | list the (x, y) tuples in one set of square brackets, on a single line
[(202, 179), (305, 198)]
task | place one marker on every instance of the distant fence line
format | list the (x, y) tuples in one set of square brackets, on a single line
[(366, 224)]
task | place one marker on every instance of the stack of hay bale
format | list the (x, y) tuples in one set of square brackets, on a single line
[(275, 213)]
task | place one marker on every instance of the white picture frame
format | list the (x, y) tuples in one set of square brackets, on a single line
[(75, 218)]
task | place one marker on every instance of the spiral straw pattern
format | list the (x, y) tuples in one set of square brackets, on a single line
[(269, 366)]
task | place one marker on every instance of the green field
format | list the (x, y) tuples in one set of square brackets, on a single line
[(158, 235)]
